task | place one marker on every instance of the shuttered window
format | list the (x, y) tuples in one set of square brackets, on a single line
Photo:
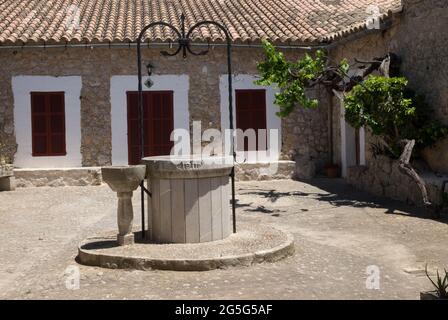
[(48, 124), (158, 120), (250, 114)]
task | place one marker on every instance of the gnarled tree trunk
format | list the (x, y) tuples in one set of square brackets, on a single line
[(406, 168)]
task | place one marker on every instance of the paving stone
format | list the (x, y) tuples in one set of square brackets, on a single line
[(338, 233)]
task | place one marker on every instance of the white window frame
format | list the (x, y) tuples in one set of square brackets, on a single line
[(22, 86), (120, 85), (348, 151), (246, 82)]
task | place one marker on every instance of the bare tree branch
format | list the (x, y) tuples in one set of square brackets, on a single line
[(339, 81), (384, 65), (406, 168)]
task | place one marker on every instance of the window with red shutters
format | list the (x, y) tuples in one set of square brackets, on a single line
[(251, 114), (48, 124), (158, 120)]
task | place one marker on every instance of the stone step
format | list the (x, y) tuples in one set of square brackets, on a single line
[(91, 176), (58, 177)]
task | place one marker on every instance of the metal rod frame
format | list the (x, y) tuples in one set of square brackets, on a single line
[(184, 45)]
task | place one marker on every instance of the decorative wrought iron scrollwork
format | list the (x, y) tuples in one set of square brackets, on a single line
[(184, 45), (184, 37)]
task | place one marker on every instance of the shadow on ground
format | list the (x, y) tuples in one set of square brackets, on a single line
[(338, 193)]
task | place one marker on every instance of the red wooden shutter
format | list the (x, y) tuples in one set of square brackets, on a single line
[(158, 120), (250, 113), (133, 128), (161, 123), (48, 124)]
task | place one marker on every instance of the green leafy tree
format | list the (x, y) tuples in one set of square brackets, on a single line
[(292, 78), (382, 104), (392, 112)]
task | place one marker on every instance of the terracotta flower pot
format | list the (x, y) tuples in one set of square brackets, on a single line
[(332, 171)]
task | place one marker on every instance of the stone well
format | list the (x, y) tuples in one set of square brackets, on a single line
[(190, 200), (190, 221)]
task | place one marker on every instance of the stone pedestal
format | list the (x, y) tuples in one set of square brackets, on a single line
[(124, 240), (190, 200), (125, 217), (124, 180)]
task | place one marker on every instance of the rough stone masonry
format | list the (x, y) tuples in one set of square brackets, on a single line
[(304, 131)]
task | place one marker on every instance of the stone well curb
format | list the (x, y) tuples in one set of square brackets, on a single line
[(87, 257)]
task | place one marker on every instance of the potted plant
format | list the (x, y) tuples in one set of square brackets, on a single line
[(332, 170), (440, 285)]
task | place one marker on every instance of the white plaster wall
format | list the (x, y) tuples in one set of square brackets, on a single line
[(119, 85), (343, 142), (246, 81), (350, 137), (21, 87), (362, 146), (348, 141)]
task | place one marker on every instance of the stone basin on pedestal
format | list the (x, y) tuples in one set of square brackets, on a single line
[(124, 180), (190, 200)]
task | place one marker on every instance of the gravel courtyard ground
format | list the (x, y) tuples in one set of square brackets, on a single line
[(339, 233)]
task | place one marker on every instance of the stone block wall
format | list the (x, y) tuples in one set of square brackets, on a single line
[(58, 177), (91, 176), (304, 130), (421, 41), (418, 35), (283, 169), (383, 178)]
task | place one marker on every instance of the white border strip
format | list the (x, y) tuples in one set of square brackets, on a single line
[(21, 88), (119, 85), (246, 82)]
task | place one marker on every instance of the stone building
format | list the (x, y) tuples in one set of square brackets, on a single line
[(80, 57), (417, 34)]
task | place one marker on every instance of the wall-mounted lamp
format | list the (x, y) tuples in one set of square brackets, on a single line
[(149, 83), (149, 68)]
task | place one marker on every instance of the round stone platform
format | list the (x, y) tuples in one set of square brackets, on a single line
[(251, 244)]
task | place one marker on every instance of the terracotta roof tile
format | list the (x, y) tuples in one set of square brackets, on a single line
[(247, 20)]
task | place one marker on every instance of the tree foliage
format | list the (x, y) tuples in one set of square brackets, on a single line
[(383, 104), (392, 111), (292, 78)]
